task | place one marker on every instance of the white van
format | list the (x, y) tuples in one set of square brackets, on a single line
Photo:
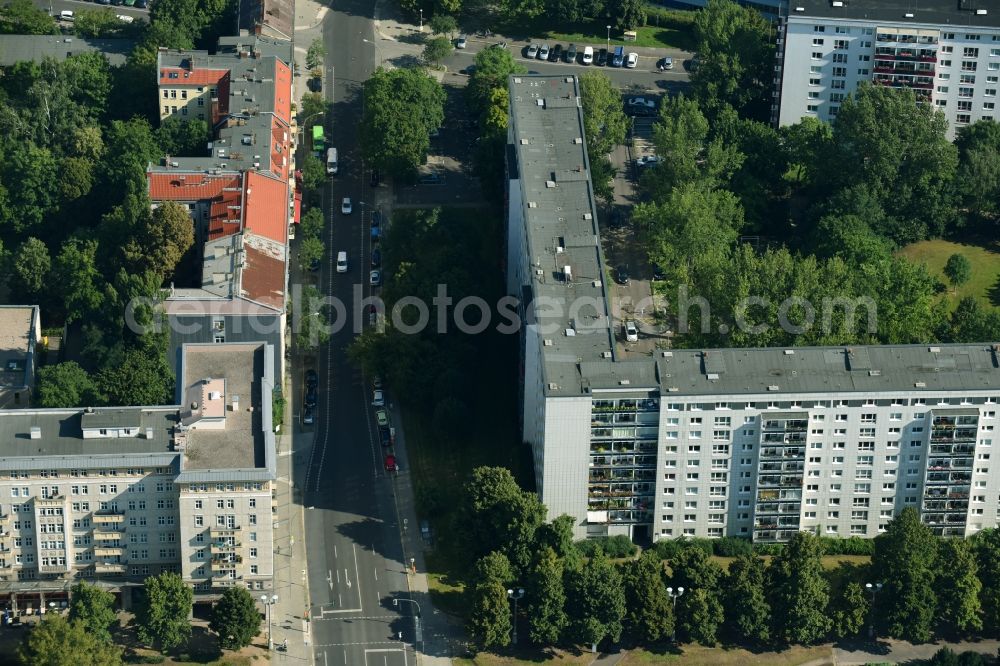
[(331, 161), (66, 15), (588, 55), (341, 262)]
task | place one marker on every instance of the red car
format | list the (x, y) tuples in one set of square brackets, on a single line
[(390, 463)]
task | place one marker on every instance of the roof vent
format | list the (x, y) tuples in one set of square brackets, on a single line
[(874, 373), (668, 354), (920, 384), (606, 354), (772, 387), (980, 12), (588, 216), (149, 433), (570, 333), (577, 140), (524, 142), (553, 386), (837, 3), (550, 183), (36, 432), (673, 389), (934, 350), (789, 352), (568, 273), (624, 382), (236, 403), (800, 9), (532, 204), (548, 342), (908, 15), (712, 376), (214, 395), (597, 284)]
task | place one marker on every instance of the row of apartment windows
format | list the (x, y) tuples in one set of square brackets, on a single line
[(225, 520), (824, 404), (83, 473)]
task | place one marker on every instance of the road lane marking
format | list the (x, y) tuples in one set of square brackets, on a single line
[(376, 573), (347, 579), (356, 575)]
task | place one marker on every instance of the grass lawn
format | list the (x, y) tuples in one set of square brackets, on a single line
[(985, 259), (697, 655), (549, 658), (829, 561), (666, 29)]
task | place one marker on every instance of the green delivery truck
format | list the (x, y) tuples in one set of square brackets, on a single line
[(319, 143)]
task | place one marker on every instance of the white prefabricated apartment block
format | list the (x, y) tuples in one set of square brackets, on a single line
[(719, 442), (946, 51), (115, 494)]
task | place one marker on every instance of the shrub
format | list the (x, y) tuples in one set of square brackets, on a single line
[(732, 546), (614, 547), (669, 549), (848, 546), (768, 548)]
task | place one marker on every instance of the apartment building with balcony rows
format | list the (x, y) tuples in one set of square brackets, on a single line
[(116, 494), (946, 51), (757, 443)]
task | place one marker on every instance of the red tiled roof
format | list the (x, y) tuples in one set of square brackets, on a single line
[(283, 91), (266, 206), (224, 192), (263, 276), (190, 77), (281, 148)]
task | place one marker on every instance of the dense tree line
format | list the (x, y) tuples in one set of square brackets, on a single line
[(731, 177), (930, 587), (77, 233)]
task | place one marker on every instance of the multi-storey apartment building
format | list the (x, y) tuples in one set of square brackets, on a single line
[(116, 494), (946, 51), (241, 195), (743, 442)]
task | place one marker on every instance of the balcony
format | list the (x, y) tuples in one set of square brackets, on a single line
[(220, 533), (117, 518), (108, 568), (223, 547), (105, 551), (110, 535), (227, 582)]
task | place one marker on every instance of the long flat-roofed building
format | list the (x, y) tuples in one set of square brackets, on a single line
[(117, 494), (720, 442)]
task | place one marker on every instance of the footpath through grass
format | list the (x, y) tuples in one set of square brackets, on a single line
[(984, 257)]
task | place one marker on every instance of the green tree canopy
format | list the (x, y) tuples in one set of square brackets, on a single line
[(21, 17), (604, 120), (162, 616), (490, 616), (137, 377), (736, 48), (315, 53), (181, 136), (443, 24), (436, 49), (31, 264), (749, 616), (66, 385), (849, 611), (959, 609), (958, 269), (76, 278), (94, 608), (597, 599), (649, 616), (904, 560), (57, 641), (800, 592), (491, 69), (987, 548), (899, 150), (699, 608), (501, 516), (402, 108), (235, 618), (545, 602)]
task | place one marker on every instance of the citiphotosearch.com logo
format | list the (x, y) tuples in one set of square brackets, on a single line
[(315, 318)]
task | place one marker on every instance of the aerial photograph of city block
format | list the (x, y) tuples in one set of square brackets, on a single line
[(499, 332)]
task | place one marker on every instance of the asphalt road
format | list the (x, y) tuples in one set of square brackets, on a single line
[(57, 6), (355, 557)]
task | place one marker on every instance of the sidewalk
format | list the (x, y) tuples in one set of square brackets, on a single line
[(900, 652), (289, 614)]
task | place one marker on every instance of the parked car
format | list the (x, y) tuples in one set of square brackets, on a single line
[(621, 274), (665, 63), (432, 178), (376, 218), (532, 51), (314, 265), (648, 161), (378, 398), (571, 53), (632, 60), (543, 53), (312, 396), (640, 106), (461, 42), (387, 436), (382, 418), (312, 379), (618, 58), (631, 332), (425, 532), (390, 463), (308, 416), (372, 315), (376, 258), (588, 55), (556, 53), (376, 382), (141, 4), (375, 278), (658, 272), (345, 206), (602, 58)]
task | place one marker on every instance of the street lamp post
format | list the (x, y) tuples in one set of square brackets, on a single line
[(609, 37), (674, 596), (381, 60), (421, 19), (416, 621), (515, 595), (874, 589), (268, 602)]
